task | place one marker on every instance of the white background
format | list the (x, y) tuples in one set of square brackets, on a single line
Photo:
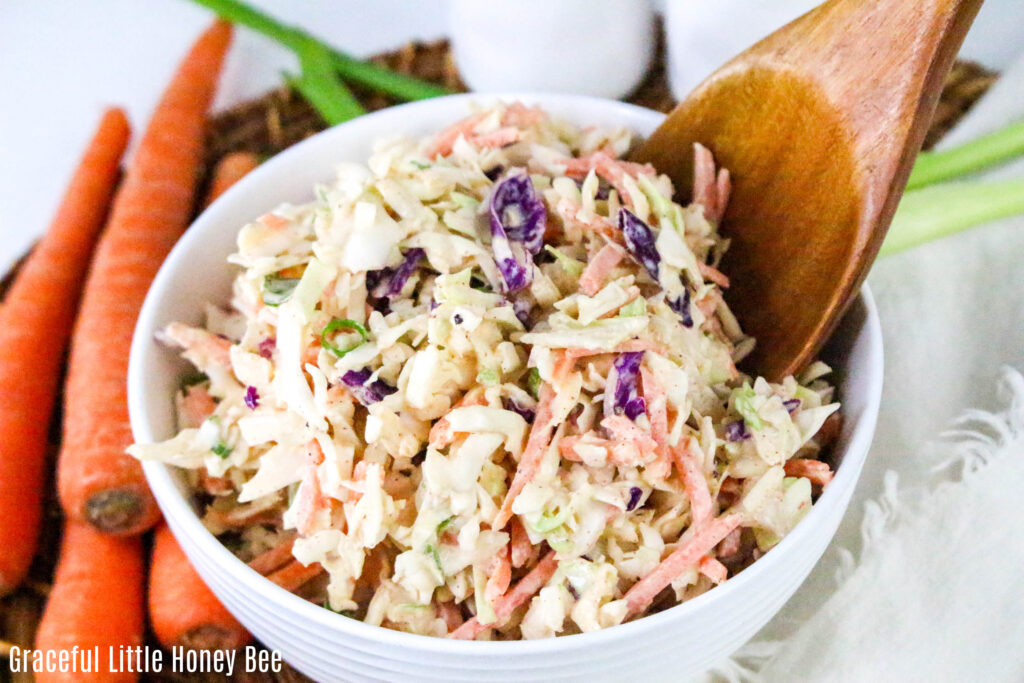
[(62, 61)]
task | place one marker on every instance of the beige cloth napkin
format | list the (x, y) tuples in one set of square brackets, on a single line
[(925, 578)]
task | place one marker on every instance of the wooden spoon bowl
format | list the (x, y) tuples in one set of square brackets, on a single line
[(819, 125)]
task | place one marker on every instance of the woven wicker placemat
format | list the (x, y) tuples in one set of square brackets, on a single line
[(280, 119)]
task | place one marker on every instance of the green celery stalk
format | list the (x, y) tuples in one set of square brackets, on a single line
[(370, 75), (320, 85), (988, 150), (945, 209)]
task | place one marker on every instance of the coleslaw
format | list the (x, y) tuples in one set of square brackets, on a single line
[(485, 386)]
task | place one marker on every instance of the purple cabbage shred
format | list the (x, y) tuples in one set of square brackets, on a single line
[(266, 347), (252, 398), (792, 405), (366, 394), (640, 242), (518, 220), (626, 401), (737, 431), (525, 413), (635, 494), (522, 308), (681, 305), (387, 283)]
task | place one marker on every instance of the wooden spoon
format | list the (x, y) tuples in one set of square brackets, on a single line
[(819, 125)]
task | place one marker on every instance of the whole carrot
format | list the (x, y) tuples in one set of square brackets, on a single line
[(35, 324), (182, 610), (96, 601), (229, 170), (97, 482)]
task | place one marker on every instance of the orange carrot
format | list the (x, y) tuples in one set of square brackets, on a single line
[(182, 610), (229, 170), (295, 575), (596, 272), (508, 603), (687, 554), (273, 559), (522, 549), (540, 434), (499, 571), (817, 471), (694, 483), (35, 324), (97, 481), (96, 601), (713, 569)]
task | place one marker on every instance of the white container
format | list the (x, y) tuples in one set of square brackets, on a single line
[(329, 647), (702, 36), (585, 47)]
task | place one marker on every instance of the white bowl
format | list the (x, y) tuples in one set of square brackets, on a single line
[(330, 647)]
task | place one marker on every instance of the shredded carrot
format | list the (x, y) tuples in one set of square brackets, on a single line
[(527, 587), (451, 614), (499, 571), (713, 274), (295, 575), (195, 404), (687, 554), (441, 434), (201, 347), (273, 559), (731, 544), (713, 569), (445, 140), (817, 471), (694, 483), (522, 549), (518, 114), (657, 413), (599, 267), (537, 443)]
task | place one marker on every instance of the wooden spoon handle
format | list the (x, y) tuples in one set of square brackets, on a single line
[(883, 64)]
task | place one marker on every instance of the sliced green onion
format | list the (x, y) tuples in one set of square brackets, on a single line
[(533, 382), (988, 150), (744, 402), (488, 377), (443, 526), (571, 265), (277, 289), (549, 521), (432, 550), (221, 449), (367, 74), (637, 306), (320, 85), (342, 324), (942, 210), (464, 200)]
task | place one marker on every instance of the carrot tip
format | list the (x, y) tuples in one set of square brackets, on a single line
[(114, 511)]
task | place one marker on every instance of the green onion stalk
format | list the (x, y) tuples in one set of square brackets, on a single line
[(367, 74)]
